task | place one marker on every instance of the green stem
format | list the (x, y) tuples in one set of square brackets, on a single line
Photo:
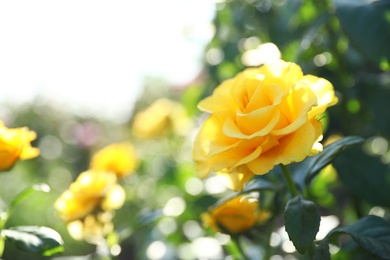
[(289, 180), (267, 247), (2, 242), (237, 243), (3, 219)]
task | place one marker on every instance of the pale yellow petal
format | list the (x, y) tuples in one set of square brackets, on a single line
[(282, 74), (220, 101), (264, 96), (259, 122), (296, 107), (324, 91)]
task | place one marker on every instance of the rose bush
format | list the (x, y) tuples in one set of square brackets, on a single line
[(260, 118)]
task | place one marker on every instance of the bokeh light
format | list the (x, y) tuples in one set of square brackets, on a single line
[(174, 207)]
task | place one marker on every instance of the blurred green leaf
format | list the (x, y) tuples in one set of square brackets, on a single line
[(42, 240), (27, 192), (190, 99), (302, 222), (365, 176), (147, 218), (366, 25), (372, 233)]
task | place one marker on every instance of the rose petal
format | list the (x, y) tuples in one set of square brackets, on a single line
[(270, 119), (211, 140), (324, 92), (296, 108), (265, 121), (220, 101), (264, 96), (292, 148), (232, 157), (282, 74), (244, 85)]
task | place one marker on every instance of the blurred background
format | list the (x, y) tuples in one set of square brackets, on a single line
[(83, 56), (78, 73)]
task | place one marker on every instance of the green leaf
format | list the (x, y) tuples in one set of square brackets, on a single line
[(302, 222), (372, 233), (330, 152), (258, 184), (367, 27), (41, 240), (305, 171), (27, 192)]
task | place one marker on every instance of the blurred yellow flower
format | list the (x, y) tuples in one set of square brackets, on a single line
[(114, 199), (236, 215), (15, 143), (161, 116), (86, 194), (263, 117), (71, 207), (92, 228), (119, 158)]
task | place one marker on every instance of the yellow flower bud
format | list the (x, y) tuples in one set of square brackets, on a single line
[(236, 215)]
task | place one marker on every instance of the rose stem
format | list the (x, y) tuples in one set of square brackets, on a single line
[(289, 180)]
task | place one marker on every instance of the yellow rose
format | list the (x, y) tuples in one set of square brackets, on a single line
[(15, 144), (236, 215), (161, 116), (72, 207), (262, 117), (85, 194), (119, 158)]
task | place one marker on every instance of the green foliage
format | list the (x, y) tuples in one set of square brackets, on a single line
[(26, 193), (311, 166), (366, 25), (371, 233), (365, 177), (302, 221), (41, 240), (322, 251)]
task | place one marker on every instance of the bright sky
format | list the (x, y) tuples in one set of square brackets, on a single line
[(91, 55)]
